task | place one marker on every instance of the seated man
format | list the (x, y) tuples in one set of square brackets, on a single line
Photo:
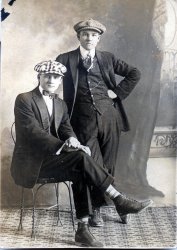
[(46, 146)]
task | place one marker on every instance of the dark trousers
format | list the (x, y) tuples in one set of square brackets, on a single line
[(101, 133), (82, 170)]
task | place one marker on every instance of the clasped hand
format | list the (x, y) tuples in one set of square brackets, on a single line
[(73, 143)]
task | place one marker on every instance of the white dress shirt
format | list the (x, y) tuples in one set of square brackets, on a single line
[(85, 52), (49, 104), (48, 101)]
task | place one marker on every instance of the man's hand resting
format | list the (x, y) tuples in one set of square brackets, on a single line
[(72, 144), (85, 149)]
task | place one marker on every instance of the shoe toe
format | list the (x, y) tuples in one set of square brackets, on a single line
[(84, 238), (125, 218), (96, 219), (147, 203), (92, 244), (96, 222)]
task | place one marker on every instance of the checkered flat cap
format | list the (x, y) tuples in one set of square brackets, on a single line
[(90, 24), (50, 67)]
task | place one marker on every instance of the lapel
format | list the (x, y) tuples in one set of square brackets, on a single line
[(103, 63), (73, 62), (40, 104), (58, 113), (57, 110)]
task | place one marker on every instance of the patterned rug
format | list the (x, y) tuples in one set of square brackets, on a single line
[(154, 227)]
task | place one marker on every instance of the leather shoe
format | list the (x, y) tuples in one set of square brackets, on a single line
[(84, 238), (96, 220), (126, 206)]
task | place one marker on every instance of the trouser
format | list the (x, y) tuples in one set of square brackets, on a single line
[(82, 170), (101, 133)]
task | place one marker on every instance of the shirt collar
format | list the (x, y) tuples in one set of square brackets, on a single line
[(84, 52), (40, 89)]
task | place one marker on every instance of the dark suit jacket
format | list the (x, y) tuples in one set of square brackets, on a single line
[(109, 66), (33, 141)]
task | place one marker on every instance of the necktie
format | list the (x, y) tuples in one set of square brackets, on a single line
[(87, 62), (51, 95)]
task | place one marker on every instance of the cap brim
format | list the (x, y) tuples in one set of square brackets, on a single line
[(49, 72), (90, 28)]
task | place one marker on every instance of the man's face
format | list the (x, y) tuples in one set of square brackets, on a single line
[(88, 39), (50, 82)]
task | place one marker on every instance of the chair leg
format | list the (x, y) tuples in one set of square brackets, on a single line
[(33, 235), (21, 210), (71, 206), (58, 209), (33, 215)]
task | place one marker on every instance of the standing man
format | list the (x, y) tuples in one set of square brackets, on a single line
[(96, 118), (46, 146)]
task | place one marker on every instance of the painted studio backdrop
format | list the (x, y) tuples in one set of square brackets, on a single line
[(140, 32)]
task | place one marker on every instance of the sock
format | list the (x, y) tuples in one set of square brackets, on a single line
[(111, 192), (84, 219)]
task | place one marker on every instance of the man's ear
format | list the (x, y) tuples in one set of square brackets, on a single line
[(38, 77), (78, 36)]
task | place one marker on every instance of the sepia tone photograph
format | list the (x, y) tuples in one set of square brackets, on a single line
[(88, 123)]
